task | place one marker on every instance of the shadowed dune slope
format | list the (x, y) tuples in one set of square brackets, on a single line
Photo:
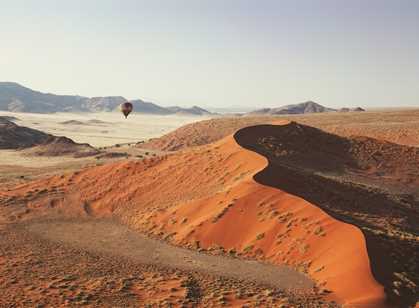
[(207, 198), (362, 181), (358, 159)]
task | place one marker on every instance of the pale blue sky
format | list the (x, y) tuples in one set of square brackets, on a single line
[(216, 53)]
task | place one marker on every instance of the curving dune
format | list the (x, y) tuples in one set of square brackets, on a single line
[(259, 221)]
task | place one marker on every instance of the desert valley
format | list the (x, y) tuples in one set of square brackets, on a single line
[(211, 153), (315, 209)]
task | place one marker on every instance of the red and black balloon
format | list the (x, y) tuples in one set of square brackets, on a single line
[(126, 108)]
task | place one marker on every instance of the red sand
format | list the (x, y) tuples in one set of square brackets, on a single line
[(187, 193)]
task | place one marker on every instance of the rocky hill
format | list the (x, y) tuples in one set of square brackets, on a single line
[(59, 146), (13, 136), (5, 119), (38, 143), (345, 109), (302, 108), (195, 110)]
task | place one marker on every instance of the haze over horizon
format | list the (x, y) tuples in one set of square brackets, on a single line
[(215, 53)]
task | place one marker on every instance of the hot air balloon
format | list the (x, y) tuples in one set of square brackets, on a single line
[(126, 108)]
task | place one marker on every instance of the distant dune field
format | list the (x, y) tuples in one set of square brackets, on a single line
[(399, 126)]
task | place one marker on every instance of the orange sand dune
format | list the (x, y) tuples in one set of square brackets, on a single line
[(207, 197), (266, 223)]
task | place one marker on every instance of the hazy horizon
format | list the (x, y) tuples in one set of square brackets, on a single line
[(242, 54)]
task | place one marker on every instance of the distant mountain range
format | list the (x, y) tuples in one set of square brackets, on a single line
[(17, 98), (302, 108)]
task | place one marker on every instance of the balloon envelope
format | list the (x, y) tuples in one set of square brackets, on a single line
[(126, 108)]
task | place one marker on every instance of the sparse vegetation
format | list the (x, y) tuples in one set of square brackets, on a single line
[(260, 236)]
